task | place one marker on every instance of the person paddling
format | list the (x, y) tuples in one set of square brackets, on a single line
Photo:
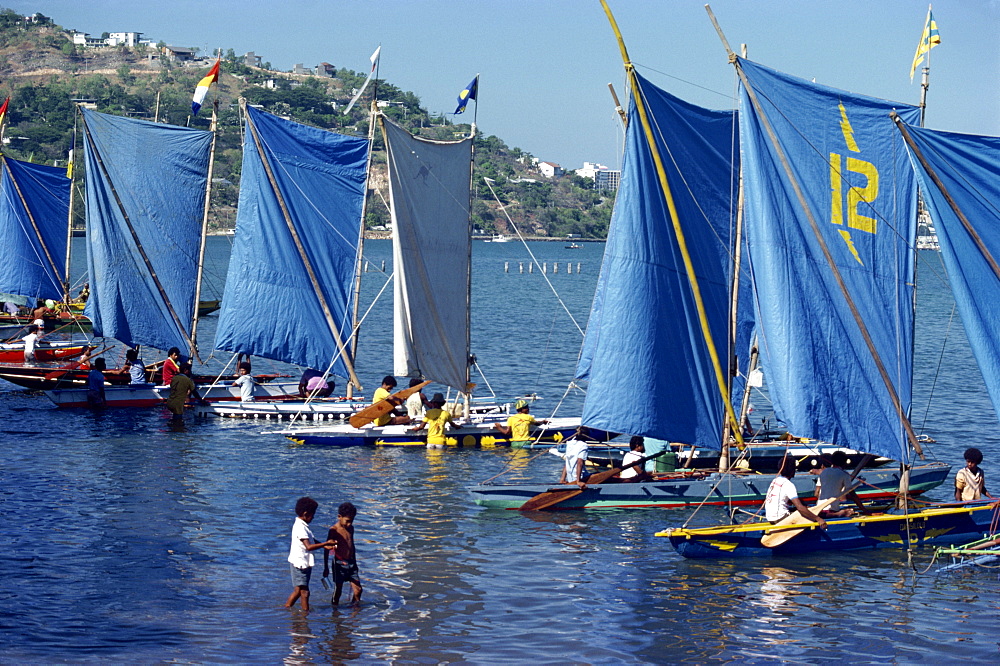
[(782, 497)]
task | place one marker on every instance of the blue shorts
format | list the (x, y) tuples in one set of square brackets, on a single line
[(300, 577), (345, 571)]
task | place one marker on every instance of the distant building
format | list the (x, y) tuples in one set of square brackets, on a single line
[(85, 40), (326, 70), (251, 59), (603, 177), (301, 70), (550, 169), (129, 39), (178, 53)]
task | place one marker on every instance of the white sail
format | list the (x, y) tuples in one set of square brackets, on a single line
[(429, 183)]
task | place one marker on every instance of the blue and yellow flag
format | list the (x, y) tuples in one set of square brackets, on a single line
[(928, 40), (467, 94)]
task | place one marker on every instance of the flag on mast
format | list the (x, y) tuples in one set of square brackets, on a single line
[(203, 86), (374, 60), (3, 109), (928, 40), (467, 94)]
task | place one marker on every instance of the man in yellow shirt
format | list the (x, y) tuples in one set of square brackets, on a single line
[(519, 425), (435, 419), (383, 392)]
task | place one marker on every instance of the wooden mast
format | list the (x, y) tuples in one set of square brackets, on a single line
[(204, 232), (71, 174)]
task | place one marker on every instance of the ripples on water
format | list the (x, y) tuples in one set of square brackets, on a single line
[(125, 539)]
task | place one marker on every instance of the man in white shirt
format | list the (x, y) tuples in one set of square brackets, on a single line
[(30, 340), (782, 497), (575, 458)]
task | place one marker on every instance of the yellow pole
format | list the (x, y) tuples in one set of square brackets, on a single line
[(678, 231)]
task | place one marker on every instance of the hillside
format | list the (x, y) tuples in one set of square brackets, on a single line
[(44, 74)]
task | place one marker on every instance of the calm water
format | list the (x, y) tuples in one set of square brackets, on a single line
[(125, 539)]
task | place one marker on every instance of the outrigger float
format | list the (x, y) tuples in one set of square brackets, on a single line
[(889, 530)]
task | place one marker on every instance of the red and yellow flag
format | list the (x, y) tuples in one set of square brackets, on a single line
[(203, 85)]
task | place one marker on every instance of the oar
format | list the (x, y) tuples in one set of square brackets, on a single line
[(553, 497), (384, 406), (58, 374)]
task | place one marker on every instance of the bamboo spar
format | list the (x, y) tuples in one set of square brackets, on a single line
[(349, 362), (800, 196), (204, 233), (678, 231)]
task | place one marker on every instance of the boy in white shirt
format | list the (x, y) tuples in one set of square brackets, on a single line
[(300, 557)]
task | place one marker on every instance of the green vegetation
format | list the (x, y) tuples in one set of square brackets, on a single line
[(45, 75)]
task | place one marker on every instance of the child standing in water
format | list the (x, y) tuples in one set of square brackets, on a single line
[(300, 557), (345, 561)]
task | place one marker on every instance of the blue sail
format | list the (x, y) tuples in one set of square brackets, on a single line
[(644, 353), (851, 169), (145, 200), (33, 218), (271, 307), (968, 168)]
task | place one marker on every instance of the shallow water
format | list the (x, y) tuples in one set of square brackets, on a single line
[(126, 539)]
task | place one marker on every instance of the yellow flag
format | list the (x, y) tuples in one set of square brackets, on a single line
[(928, 40)]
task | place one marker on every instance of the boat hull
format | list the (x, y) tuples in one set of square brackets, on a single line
[(472, 435), (764, 457), (946, 524), (150, 395), (685, 490), (44, 353)]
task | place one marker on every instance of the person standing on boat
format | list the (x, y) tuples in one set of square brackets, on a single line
[(970, 482), (171, 366), (245, 383), (41, 311), (181, 386), (134, 366), (435, 420), (384, 392), (417, 403), (518, 426), (782, 497), (30, 340), (95, 385)]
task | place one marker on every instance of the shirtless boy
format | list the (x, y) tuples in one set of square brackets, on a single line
[(345, 562)]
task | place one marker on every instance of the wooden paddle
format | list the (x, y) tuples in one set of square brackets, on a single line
[(384, 406), (553, 497), (778, 536)]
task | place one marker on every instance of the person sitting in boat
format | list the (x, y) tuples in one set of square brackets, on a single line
[(313, 384), (518, 426), (834, 482), (134, 366), (245, 382), (84, 293), (171, 365), (95, 385), (782, 497), (384, 392), (11, 308), (417, 403), (435, 421), (636, 473), (970, 482), (30, 340)]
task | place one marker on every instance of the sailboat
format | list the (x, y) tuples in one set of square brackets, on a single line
[(430, 184), (663, 302), (831, 167), (145, 202)]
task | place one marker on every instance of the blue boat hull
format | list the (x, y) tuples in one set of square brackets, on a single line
[(938, 525)]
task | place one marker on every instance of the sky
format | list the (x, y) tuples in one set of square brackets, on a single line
[(545, 65)]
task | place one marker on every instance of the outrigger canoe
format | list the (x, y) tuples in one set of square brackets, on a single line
[(945, 524), (481, 434), (150, 395), (45, 352), (686, 489)]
